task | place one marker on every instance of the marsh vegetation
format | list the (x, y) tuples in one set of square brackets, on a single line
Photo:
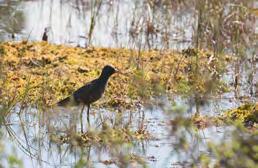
[(187, 96)]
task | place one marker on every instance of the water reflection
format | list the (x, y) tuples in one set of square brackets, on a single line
[(133, 24), (37, 138), (12, 19), (103, 23)]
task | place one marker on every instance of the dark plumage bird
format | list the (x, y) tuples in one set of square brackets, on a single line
[(90, 92), (45, 36)]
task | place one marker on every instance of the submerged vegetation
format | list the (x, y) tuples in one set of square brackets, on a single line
[(107, 136)]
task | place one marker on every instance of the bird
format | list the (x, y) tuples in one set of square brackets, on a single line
[(90, 92), (45, 35)]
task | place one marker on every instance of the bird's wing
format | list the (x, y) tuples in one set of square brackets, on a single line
[(85, 90), (75, 98)]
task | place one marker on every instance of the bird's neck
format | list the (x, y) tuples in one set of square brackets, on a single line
[(104, 78)]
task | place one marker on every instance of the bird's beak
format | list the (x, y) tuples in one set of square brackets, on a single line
[(119, 72)]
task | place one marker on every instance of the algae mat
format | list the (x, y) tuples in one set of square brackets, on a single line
[(34, 73)]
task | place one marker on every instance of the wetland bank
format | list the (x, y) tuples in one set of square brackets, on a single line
[(188, 96)]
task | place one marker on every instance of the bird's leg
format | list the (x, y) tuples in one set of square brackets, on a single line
[(101, 118), (81, 118), (88, 114), (142, 122)]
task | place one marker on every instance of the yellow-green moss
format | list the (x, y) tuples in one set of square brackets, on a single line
[(52, 72), (245, 113)]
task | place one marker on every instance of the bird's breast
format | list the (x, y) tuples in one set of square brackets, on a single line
[(97, 95)]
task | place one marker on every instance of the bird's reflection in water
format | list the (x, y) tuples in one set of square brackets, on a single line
[(52, 137)]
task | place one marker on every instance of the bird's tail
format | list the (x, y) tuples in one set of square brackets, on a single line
[(69, 101), (64, 102)]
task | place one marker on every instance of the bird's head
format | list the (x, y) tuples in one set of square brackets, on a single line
[(108, 70)]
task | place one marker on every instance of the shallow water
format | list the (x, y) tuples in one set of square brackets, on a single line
[(69, 23), (28, 136)]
